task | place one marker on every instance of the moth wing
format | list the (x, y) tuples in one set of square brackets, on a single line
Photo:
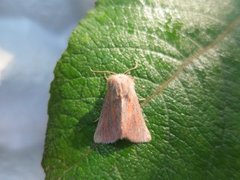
[(108, 128), (133, 126)]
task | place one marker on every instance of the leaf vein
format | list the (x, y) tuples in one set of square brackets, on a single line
[(189, 60)]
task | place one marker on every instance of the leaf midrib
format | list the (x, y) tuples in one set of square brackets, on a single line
[(190, 60)]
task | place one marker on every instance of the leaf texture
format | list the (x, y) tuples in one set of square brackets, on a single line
[(189, 75)]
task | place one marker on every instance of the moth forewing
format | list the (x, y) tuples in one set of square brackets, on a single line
[(121, 115)]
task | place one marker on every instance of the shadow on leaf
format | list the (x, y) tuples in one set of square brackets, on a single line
[(84, 131)]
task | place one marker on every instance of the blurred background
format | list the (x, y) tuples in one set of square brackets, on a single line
[(33, 35)]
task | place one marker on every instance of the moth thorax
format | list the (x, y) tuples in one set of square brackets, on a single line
[(120, 84)]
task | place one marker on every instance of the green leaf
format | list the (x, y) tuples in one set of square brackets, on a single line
[(189, 74)]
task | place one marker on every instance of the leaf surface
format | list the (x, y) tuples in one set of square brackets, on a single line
[(189, 75)]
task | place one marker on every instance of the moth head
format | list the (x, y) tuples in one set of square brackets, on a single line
[(120, 84)]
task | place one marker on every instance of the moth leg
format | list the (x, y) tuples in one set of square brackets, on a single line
[(96, 120), (141, 99), (105, 76)]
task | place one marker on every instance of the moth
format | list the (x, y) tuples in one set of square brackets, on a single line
[(121, 116)]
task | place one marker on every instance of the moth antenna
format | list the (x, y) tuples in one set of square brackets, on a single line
[(105, 72), (135, 67)]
